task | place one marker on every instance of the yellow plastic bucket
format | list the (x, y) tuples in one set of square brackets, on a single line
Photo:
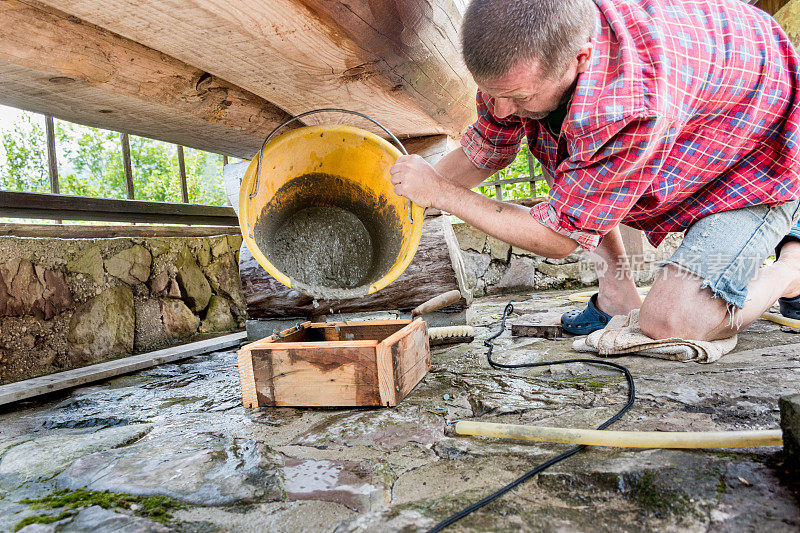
[(340, 171)]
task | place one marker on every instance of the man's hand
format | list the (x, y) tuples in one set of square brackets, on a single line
[(415, 179)]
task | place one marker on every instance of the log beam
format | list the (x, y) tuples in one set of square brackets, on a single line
[(55, 64), (397, 61)]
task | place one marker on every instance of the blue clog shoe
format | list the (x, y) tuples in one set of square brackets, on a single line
[(584, 322)]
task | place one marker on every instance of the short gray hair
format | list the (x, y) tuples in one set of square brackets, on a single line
[(497, 34)]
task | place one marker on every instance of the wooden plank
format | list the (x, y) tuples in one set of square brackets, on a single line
[(52, 163), (456, 259), (126, 165), (411, 357), (71, 231), (544, 331), (319, 376), (31, 388), (56, 64), (386, 390), (66, 207), (396, 60), (510, 181), (182, 173)]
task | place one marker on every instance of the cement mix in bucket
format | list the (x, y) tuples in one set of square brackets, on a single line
[(331, 237), (324, 246)]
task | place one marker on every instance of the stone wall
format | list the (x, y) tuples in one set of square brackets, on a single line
[(66, 303), (494, 266)]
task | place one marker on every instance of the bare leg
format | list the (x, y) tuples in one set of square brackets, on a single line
[(617, 295), (677, 307)]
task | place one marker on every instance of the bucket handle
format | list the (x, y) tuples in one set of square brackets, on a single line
[(326, 110)]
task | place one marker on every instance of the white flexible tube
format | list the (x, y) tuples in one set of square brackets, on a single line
[(625, 439)]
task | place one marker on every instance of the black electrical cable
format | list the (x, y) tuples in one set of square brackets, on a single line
[(523, 478)]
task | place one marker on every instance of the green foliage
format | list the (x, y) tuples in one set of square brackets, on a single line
[(90, 164), (153, 507), (518, 169), (26, 156)]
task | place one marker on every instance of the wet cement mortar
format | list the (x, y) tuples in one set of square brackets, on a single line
[(180, 430), (329, 235), (324, 246)]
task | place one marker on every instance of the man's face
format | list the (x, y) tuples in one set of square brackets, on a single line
[(525, 92)]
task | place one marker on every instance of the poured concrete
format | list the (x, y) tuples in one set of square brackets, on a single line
[(403, 468)]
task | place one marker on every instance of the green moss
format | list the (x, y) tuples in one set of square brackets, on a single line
[(658, 500), (589, 381), (43, 519), (153, 507), (721, 488)]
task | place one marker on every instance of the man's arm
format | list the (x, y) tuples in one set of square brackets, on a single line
[(456, 168), (418, 181)]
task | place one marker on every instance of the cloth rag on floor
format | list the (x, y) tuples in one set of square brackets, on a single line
[(622, 335)]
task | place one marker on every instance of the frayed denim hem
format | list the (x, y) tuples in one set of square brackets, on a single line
[(734, 298)]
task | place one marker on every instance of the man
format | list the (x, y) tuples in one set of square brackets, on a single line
[(664, 115)]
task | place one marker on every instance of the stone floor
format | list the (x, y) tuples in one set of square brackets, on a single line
[(179, 430)]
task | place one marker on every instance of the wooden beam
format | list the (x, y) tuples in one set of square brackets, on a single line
[(431, 148), (52, 162), (182, 172), (55, 64), (30, 388), (75, 231), (66, 207), (397, 60), (126, 165)]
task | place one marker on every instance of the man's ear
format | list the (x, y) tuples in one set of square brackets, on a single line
[(584, 56)]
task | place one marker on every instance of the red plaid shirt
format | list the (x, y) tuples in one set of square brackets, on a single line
[(688, 108)]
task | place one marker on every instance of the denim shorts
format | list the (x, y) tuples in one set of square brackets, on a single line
[(727, 249)]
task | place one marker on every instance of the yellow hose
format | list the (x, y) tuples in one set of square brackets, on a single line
[(583, 297), (625, 439), (782, 320)]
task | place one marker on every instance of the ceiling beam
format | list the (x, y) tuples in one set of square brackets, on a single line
[(56, 64), (395, 60)]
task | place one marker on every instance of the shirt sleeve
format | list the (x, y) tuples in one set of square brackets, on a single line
[(492, 143), (595, 188)]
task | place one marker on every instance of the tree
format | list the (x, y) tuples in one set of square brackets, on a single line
[(90, 164), (26, 156)]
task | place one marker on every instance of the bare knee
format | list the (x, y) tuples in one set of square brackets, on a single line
[(664, 319), (658, 323)]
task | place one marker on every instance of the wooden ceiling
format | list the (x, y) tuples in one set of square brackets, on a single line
[(220, 74)]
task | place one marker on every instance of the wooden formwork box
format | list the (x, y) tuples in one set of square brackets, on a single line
[(335, 364)]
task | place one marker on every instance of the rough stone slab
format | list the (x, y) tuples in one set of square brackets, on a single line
[(790, 423), (199, 468), (45, 456), (29, 388)]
